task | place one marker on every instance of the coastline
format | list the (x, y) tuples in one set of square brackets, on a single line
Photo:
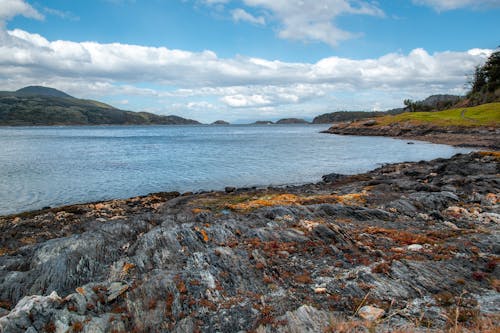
[(482, 137), (406, 238)]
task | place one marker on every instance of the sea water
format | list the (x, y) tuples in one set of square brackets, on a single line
[(51, 166)]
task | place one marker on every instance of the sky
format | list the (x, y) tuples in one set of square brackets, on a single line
[(246, 60)]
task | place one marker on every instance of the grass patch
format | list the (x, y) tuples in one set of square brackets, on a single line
[(482, 115)]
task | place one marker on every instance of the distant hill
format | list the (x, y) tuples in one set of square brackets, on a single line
[(434, 102), (342, 116), (292, 121), (41, 106), (42, 91), (440, 102)]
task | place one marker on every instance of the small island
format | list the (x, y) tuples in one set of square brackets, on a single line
[(263, 122), (220, 122), (292, 121)]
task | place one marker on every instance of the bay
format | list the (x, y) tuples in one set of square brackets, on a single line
[(52, 166)]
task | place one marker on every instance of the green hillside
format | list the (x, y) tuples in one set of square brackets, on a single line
[(482, 115), (41, 91), (40, 106)]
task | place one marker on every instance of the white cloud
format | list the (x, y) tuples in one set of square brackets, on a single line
[(11, 8), (240, 101), (195, 81), (443, 5), (241, 15), (202, 105), (65, 15), (314, 20), (31, 54)]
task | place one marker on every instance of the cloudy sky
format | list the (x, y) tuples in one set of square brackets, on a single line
[(242, 60)]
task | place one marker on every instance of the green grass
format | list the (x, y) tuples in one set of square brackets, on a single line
[(482, 115)]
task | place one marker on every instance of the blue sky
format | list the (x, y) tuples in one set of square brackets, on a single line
[(248, 59)]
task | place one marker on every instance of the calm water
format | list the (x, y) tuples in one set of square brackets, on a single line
[(51, 166)]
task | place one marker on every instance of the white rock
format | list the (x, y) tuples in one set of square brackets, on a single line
[(451, 225), (115, 290), (415, 247), (320, 290), (370, 313)]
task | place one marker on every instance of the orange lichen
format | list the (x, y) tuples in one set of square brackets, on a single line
[(208, 304), (28, 240), (152, 304), (4, 251), (199, 210), (203, 234), (81, 291), (292, 199), (495, 154), (195, 282), (401, 237), (304, 278), (127, 267), (168, 305), (495, 284), (77, 327), (282, 199), (181, 286), (493, 198)]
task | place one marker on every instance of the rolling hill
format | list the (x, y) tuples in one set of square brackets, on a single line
[(42, 106)]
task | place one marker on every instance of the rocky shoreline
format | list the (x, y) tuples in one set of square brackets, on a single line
[(408, 247), (477, 137)]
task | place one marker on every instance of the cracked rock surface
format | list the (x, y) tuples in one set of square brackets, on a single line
[(417, 244)]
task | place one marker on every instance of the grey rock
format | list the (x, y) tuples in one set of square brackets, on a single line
[(164, 266)]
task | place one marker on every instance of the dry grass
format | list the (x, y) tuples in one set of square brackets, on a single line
[(401, 237), (247, 202), (484, 324)]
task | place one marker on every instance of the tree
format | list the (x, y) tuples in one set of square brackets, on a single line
[(410, 105), (486, 78), (491, 71)]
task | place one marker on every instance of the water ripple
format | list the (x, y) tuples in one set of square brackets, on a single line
[(47, 166)]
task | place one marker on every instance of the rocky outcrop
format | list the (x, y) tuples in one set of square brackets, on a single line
[(485, 137), (405, 244)]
